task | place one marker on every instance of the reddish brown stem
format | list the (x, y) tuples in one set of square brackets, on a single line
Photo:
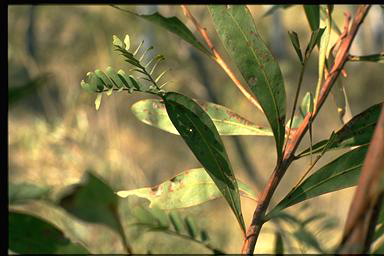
[(288, 155)]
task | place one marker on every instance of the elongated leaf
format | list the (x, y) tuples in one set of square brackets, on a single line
[(227, 122), (339, 174), (260, 70), (313, 15), (379, 58), (358, 131), (201, 136), (177, 221), (306, 104), (296, 44), (191, 227), (189, 188), (24, 192), (315, 39), (93, 201), (174, 25), (342, 103), (30, 235)]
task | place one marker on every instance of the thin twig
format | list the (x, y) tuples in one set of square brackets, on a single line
[(219, 60), (288, 155)]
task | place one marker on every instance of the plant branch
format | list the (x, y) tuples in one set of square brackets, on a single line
[(288, 154), (219, 60)]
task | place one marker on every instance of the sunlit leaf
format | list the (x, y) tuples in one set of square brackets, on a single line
[(117, 42), (227, 122), (341, 173), (189, 188), (201, 136), (33, 235), (24, 192), (358, 131), (237, 31), (98, 100), (313, 15), (174, 25)]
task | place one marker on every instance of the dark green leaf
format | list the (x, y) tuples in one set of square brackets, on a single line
[(358, 131), (93, 201), (279, 244), (200, 134), (33, 235), (16, 93), (24, 192), (379, 58), (114, 77), (188, 188), (277, 7), (237, 31), (227, 122), (191, 226), (313, 41), (313, 15), (296, 44), (339, 174), (100, 74), (204, 236), (174, 25)]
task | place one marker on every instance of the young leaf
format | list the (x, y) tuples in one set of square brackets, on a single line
[(189, 188), (342, 103), (24, 192), (98, 100), (339, 174), (174, 25), (93, 201), (227, 122), (33, 235), (313, 15), (296, 44), (237, 31), (201, 136), (127, 42), (306, 104), (358, 131), (117, 42)]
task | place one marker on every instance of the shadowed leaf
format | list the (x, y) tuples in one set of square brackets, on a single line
[(339, 174), (237, 31), (227, 122), (358, 131), (24, 192), (189, 188), (279, 244), (296, 44), (29, 235), (201, 136)]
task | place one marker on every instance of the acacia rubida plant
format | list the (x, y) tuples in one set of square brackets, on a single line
[(201, 125)]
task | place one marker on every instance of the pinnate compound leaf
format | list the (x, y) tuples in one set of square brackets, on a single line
[(237, 31), (25, 192), (174, 25), (30, 235), (201, 136), (341, 173), (227, 122), (189, 188), (93, 201), (358, 131), (313, 15)]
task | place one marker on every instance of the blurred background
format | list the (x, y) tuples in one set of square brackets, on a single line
[(55, 133)]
